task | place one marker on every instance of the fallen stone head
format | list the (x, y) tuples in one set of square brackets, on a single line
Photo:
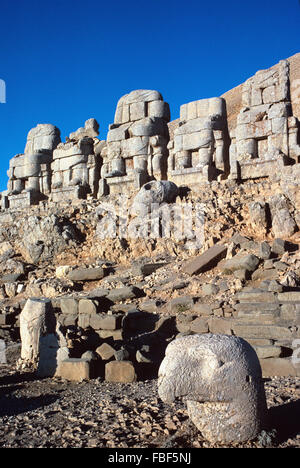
[(220, 378)]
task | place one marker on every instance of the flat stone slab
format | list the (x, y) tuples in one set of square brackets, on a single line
[(86, 274), (207, 260), (75, 370), (120, 371), (146, 269), (106, 322), (291, 296), (279, 367), (262, 331), (264, 352), (122, 294), (246, 262), (256, 296)]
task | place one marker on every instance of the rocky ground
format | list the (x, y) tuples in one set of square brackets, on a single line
[(56, 413)]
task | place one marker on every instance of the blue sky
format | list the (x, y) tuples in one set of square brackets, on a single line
[(66, 61)]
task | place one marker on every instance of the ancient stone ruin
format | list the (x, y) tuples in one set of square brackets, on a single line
[(201, 144), (30, 173), (210, 294), (265, 138), (137, 141)]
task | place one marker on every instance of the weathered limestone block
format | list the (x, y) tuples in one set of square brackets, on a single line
[(76, 164), (200, 140), (266, 130), (258, 217), (207, 260), (283, 225), (220, 377), (73, 165), (52, 351), (90, 129), (74, 369), (31, 172), (137, 140), (36, 321), (120, 371)]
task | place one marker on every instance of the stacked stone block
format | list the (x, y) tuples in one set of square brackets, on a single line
[(30, 173), (265, 138), (137, 140), (75, 168), (200, 145)]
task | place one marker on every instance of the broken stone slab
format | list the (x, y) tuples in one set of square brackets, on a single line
[(69, 305), (238, 239), (281, 266), (282, 367), (199, 325), (290, 312), (264, 251), (248, 263), (105, 351), (88, 306), (209, 289), (120, 371), (146, 269), (84, 320), (74, 369), (273, 286), (202, 309), (257, 307), (121, 354), (264, 352), (11, 277), (260, 342), (273, 332), (122, 294), (68, 320), (116, 335), (256, 295), (151, 305), (86, 274), (220, 325), (106, 322), (278, 246), (290, 296), (206, 261), (265, 274)]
